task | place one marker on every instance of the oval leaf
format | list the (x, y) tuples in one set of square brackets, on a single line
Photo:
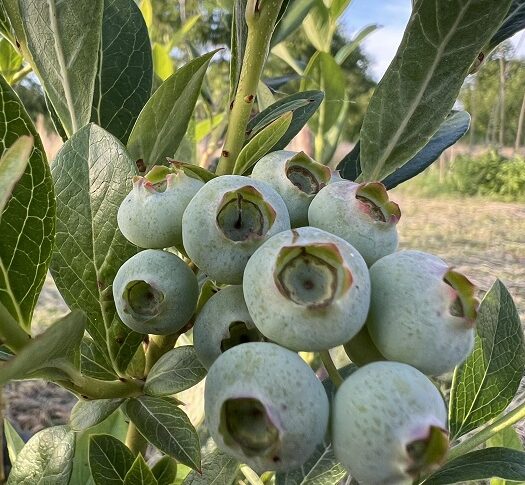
[(63, 38), (13, 441), (423, 81), (95, 363), (27, 223), (482, 464), (262, 143), (59, 341), (165, 471), (291, 20), (93, 174), (218, 468), (140, 474), (109, 460), (46, 459), (167, 427), (86, 414), (125, 71), (164, 120), (485, 384), (174, 372)]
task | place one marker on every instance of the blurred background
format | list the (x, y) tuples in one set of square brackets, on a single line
[(469, 208)]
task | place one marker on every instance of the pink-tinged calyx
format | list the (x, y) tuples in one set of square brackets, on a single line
[(464, 302), (312, 275), (373, 200), (244, 215), (427, 454)]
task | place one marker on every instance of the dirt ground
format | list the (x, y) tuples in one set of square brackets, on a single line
[(485, 240)]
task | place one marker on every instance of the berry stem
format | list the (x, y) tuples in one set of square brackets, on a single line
[(331, 368), (486, 433), (261, 16)]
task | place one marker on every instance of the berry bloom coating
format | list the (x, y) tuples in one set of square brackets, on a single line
[(296, 177), (265, 407), (361, 214), (307, 289), (228, 219), (155, 292), (389, 424), (151, 214), (223, 323), (421, 312)]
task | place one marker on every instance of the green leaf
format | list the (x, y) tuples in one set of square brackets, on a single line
[(506, 438), (140, 474), (10, 60), (338, 7), (422, 83), (291, 20), (27, 224), (164, 120), (347, 50), (514, 22), (94, 363), (262, 143), (204, 127), (63, 38), (12, 166), (86, 414), (13, 441), (325, 74), (46, 459), (58, 342), (93, 174), (125, 71), (174, 372), (115, 426), (165, 471), (485, 384), (321, 468), (218, 468), (319, 27), (136, 368), (162, 62), (303, 105), (5, 353), (265, 97), (146, 9), (109, 460), (167, 427), (482, 464)]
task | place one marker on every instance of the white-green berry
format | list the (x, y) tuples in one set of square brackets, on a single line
[(389, 424), (228, 219), (307, 289), (422, 312), (361, 214), (296, 177), (223, 323), (265, 406), (151, 214), (155, 292)]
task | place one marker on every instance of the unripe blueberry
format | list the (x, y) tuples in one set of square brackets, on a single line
[(296, 177), (228, 219), (421, 312), (307, 289), (151, 214), (223, 323), (361, 214), (389, 424), (155, 292), (265, 406)]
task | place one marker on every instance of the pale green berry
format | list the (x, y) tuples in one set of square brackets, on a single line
[(421, 312), (361, 214), (151, 214), (265, 406), (389, 424), (228, 219), (155, 292), (296, 177), (223, 323), (307, 289)]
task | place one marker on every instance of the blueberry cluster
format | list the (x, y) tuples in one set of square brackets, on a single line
[(304, 261)]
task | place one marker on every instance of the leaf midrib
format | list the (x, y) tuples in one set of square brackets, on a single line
[(417, 100)]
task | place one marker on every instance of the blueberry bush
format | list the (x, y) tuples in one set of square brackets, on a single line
[(174, 271)]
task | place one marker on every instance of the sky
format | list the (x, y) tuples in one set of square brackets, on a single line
[(392, 16)]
